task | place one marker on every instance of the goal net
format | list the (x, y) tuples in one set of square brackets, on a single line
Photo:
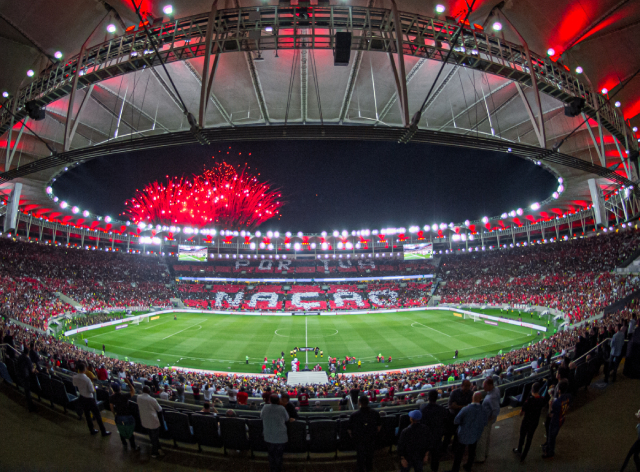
[(138, 320), (471, 316)]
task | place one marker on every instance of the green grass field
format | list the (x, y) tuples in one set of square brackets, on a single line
[(192, 258), (221, 342)]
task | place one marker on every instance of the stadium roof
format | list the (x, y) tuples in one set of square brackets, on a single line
[(477, 101)]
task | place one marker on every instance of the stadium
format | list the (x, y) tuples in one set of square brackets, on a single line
[(331, 290)]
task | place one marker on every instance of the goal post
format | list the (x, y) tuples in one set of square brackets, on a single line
[(471, 316)]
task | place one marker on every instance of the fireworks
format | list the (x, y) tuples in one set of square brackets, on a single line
[(222, 195)]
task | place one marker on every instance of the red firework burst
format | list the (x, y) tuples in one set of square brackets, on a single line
[(222, 195)]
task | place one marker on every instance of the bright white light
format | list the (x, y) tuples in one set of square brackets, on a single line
[(336, 234), (504, 215), (485, 219), (345, 233), (63, 204), (443, 225), (276, 234), (340, 245), (107, 219), (551, 52), (434, 227), (288, 234), (635, 128), (519, 211), (297, 246), (270, 247), (617, 104), (269, 234), (268, 29), (555, 195), (300, 234), (497, 26), (30, 73), (535, 206), (258, 234), (560, 180), (313, 246), (58, 55), (604, 91), (49, 190), (75, 209), (467, 223), (324, 234), (512, 213), (579, 70), (168, 10), (440, 8), (111, 28), (560, 188), (5, 94), (324, 246), (349, 246)]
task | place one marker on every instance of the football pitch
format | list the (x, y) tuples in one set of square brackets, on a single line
[(221, 342), (192, 258)]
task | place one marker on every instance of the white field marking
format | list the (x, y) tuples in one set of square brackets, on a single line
[(499, 327), (184, 329), (306, 341), (425, 326), (276, 333), (157, 324)]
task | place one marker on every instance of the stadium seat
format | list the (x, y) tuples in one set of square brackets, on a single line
[(234, 434), (178, 427), (136, 415), (35, 385), (205, 430), (387, 435), (345, 441), (60, 395), (45, 385), (322, 436), (297, 433), (510, 392), (256, 439)]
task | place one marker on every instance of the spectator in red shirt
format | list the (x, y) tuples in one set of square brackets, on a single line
[(303, 397), (242, 396), (102, 373)]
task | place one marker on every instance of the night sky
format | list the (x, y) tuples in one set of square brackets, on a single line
[(329, 185)]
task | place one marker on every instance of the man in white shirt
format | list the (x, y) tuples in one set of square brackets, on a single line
[(149, 408), (165, 394), (207, 391), (86, 400), (233, 396)]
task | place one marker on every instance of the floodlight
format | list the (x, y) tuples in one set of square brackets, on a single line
[(111, 28), (440, 8), (497, 26), (604, 91), (168, 10), (579, 70), (617, 104), (551, 52), (58, 55), (30, 73), (5, 94)]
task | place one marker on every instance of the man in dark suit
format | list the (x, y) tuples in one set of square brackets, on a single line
[(434, 417), (617, 345)]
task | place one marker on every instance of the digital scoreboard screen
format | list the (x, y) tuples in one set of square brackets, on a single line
[(418, 251), (192, 253)]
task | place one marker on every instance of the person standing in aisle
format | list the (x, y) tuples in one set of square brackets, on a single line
[(87, 401), (149, 409), (363, 427), (530, 413), (274, 420)]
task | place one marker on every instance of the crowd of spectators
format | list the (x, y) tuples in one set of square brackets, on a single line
[(573, 277)]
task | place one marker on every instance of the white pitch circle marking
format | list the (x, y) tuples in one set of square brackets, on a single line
[(276, 332)]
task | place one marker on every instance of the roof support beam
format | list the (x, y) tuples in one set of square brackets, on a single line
[(83, 104), (412, 73), (135, 107), (474, 104), (212, 96), (606, 15), (601, 155), (534, 82), (536, 125), (11, 152), (351, 85), (495, 111), (74, 87), (211, 25), (402, 89), (257, 87), (622, 158), (304, 84)]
